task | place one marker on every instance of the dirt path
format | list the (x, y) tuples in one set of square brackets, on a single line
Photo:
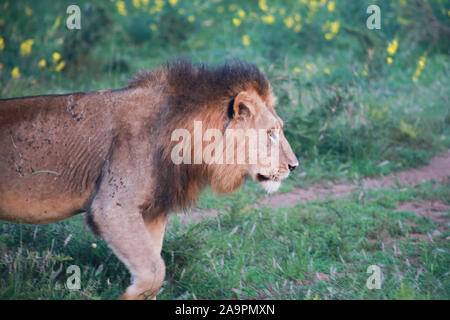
[(437, 170)]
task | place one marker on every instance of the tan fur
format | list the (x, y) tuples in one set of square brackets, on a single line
[(107, 153)]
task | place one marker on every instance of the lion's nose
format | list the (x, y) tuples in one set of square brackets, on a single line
[(292, 166)]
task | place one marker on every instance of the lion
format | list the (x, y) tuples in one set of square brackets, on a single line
[(108, 154)]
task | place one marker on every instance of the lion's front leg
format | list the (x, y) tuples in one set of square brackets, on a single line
[(116, 212), (127, 235)]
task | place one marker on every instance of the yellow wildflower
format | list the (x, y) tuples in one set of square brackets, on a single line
[(262, 5), (136, 3), (153, 27), (269, 19), (422, 62), (329, 36), (289, 22), (191, 19), (25, 47), (42, 63), (236, 22), (28, 11), (389, 60), (241, 13), (298, 17), (331, 6), (297, 28), (121, 8), (392, 47), (297, 69), (327, 71), (173, 2), (246, 40), (15, 73), (308, 66), (335, 27), (56, 56), (60, 66), (2, 43)]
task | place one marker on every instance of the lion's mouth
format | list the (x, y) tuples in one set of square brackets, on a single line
[(261, 178)]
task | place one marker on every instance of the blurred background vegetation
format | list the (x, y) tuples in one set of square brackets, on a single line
[(352, 97), (356, 102)]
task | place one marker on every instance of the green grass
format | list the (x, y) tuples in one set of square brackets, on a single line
[(348, 114), (250, 253)]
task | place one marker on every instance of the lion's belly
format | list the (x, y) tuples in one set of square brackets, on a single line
[(29, 208)]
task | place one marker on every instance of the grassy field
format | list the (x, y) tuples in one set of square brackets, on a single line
[(356, 103)]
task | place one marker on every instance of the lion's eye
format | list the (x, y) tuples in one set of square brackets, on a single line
[(272, 134)]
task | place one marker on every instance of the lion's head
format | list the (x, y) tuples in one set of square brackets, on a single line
[(256, 131), (216, 126)]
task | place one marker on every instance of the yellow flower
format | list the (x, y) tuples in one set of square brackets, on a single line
[(289, 22), (15, 73), (298, 17), (308, 66), (330, 6), (329, 36), (191, 19), (389, 60), (241, 13), (392, 47), (262, 5), (56, 56), (327, 71), (153, 27), (246, 40), (136, 3), (335, 27), (297, 28), (297, 69), (28, 11), (42, 63), (121, 8), (25, 47), (269, 19), (415, 78), (236, 22), (60, 66), (422, 62), (173, 2), (2, 43)]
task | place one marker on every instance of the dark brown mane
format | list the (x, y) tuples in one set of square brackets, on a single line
[(191, 92)]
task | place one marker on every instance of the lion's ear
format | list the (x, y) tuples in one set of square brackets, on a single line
[(240, 107)]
